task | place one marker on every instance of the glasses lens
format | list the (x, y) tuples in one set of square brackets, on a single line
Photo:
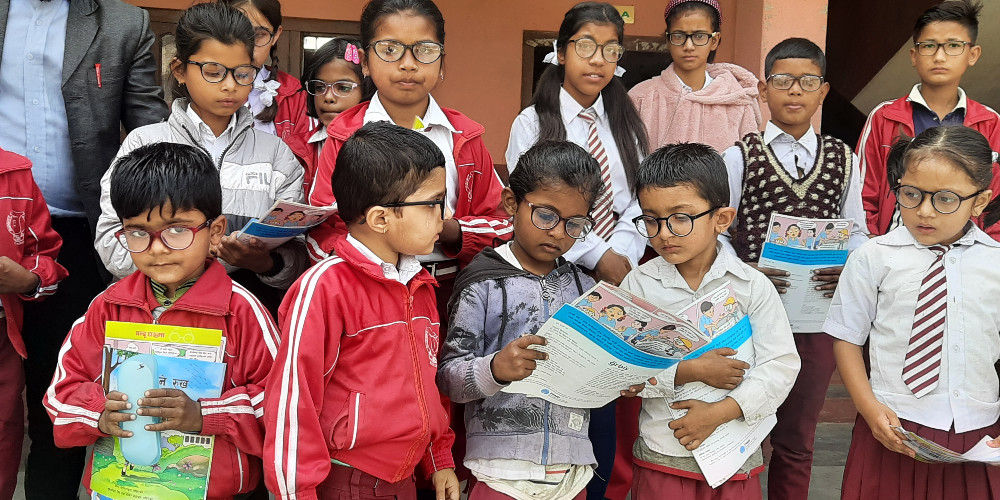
[(700, 39), (613, 52), (261, 37), (244, 75), (680, 224), (927, 48), (578, 227), (544, 218), (677, 38), (946, 202), (782, 82), (647, 226), (177, 238), (344, 88), (954, 48), (426, 52), (134, 241), (316, 87), (810, 83), (586, 47), (213, 72), (389, 50), (909, 196)]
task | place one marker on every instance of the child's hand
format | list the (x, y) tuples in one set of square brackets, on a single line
[(633, 390), (612, 268), (881, 419), (701, 420), (830, 275), (774, 275), (714, 368), (112, 416), (993, 443), (176, 410), (515, 361), (14, 278), (254, 257), (446, 484)]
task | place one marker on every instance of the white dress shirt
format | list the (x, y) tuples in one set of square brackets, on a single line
[(876, 300), (787, 150), (215, 145), (687, 88), (625, 239), (764, 387), (408, 267)]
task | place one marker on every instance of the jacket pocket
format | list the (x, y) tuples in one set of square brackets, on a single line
[(345, 428)]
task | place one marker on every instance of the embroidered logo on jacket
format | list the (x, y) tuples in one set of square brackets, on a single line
[(431, 341), (15, 224)]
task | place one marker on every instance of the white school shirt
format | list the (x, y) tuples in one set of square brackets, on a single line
[(625, 239), (409, 266), (764, 387), (785, 149), (687, 88), (875, 302), (214, 145)]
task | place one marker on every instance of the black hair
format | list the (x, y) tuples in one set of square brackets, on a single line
[(668, 328), (964, 148), (644, 323), (705, 306), (330, 51), (550, 162), (619, 306), (595, 293), (150, 176), (686, 163), (626, 126), (684, 8), (775, 224), (271, 10), (796, 226), (795, 48), (381, 163), (830, 226), (963, 12), (208, 21)]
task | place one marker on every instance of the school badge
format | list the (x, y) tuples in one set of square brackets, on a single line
[(15, 224)]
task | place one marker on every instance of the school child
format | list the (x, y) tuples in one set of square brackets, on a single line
[(213, 73), (684, 195), (332, 78), (276, 101), (696, 99), (28, 271), (170, 200), (501, 299), (789, 169), (352, 404), (594, 112), (932, 374), (944, 48)]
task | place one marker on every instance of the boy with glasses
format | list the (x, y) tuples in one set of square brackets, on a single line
[(944, 47), (169, 198)]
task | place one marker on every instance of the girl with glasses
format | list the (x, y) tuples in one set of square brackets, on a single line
[(696, 99), (212, 75)]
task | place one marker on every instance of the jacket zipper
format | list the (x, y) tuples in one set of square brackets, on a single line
[(232, 143), (425, 425)]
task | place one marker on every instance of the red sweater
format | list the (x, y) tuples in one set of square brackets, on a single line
[(478, 200), (76, 397), (291, 117), (885, 124), (29, 239), (354, 378)]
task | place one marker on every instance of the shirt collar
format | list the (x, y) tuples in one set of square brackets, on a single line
[(319, 136), (203, 127), (901, 237), (687, 88), (433, 117), (571, 109), (725, 262), (772, 132), (409, 266), (507, 253), (160, 292), (917, 97)]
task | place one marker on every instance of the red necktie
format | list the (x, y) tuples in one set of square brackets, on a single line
[(923, 357), (603, 213)]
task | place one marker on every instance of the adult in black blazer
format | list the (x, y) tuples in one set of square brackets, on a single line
[(123, 93)]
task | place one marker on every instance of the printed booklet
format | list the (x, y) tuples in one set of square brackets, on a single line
[(284, 221)]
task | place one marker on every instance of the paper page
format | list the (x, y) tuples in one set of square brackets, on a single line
[(931, 452), (284, 221)]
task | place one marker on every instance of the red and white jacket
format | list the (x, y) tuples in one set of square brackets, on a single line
[(29, 239), (291, 117), (354, 378), (477, 209), (76, 397), (306, 152), (887, 122)]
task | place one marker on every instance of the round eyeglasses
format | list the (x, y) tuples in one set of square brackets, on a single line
[(678, 224), (545, 218), (699, 39), (262, 36), (783, 81), (174, 237), (944, 201), (393, 50), (586, 48), (951, 48), (214, 72), (342, 88)]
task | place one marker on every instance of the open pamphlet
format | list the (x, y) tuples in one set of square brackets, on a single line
[(171, 464), (931, 452), (284, 221), (800, 246)]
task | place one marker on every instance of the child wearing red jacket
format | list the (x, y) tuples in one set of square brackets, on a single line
[(28, 271), (170, 200), (352, 407)]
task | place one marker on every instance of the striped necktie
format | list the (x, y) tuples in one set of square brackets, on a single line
[(603, 213), (922, 364)]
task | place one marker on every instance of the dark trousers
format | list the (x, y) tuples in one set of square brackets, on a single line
[(602, 437), (11, 413), (53, 473)]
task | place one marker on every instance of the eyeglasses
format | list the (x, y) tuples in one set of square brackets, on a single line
[(262, 36), (808, 83), (678, 224), (545, 218), (393, 50), (174, 237), (417, 203), (214, 72), (944, 201), (700, 39), (342, 88), (586, 48), (951, 48)]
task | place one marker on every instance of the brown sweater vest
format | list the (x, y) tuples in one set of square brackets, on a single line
[(768, 188)]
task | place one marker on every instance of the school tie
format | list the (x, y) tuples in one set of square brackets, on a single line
[(923, 356), (603, 213)]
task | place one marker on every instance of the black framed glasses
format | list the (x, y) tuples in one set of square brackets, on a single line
[(392, 50), (699, 39), (214, 72), (944, 201), (341, 88), (784, 81), (586, 48), (678, 224), (951, 47), (174, 237), (417, 203), (262, 36), (544, 218)]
